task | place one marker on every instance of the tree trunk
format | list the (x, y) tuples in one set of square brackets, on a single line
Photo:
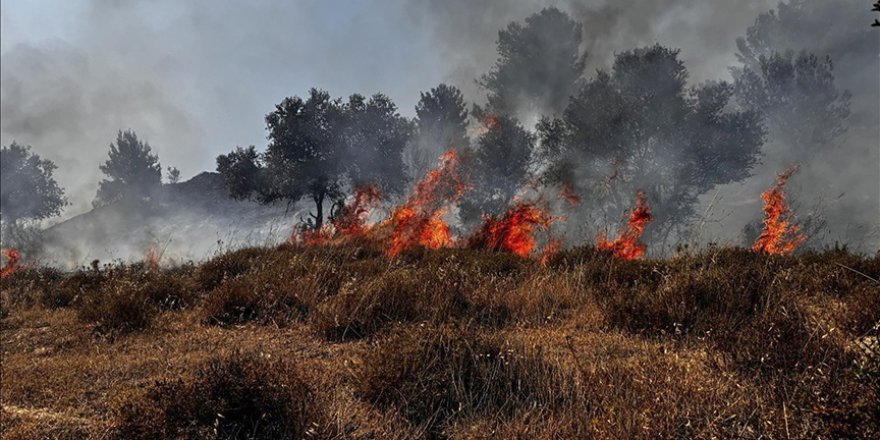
[(319, 209)]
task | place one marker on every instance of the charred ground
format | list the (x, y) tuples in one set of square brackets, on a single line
[(341, 341)]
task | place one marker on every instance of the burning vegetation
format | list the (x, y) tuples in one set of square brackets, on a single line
[(12, 257), (419, 220), (627, 245), (779, 236), (514, 231)]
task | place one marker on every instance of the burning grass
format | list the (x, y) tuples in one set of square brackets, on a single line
[(780, 235), (454, 343)]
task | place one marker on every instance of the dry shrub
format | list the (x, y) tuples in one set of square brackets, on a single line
[(364, 308), (247, 299), (119, 306), (168, 289), (433, 375), (29, 286), (229, 397), (228, 266)]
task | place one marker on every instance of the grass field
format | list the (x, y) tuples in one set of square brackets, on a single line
[(342, 342)]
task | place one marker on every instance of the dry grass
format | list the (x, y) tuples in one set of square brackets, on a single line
[(341, 342)]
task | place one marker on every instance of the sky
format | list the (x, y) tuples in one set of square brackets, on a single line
[(196, 78)]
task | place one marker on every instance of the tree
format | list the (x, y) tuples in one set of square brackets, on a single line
[(374, 137), (538, 65), (814, 26), (133, 171), (243, 173), (640, 128), (173, 175), (441, 124), (305, 155), (28, 190), (499, 167), (798, 98)]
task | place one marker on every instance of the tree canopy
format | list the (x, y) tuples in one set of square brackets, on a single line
[(317, 146), (440, 124), (132, 170), (538, 67), (499, 167), (798, 98), (640, 128), (28, 189)]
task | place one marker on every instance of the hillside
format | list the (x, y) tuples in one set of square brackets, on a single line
[(185, 221), (340, 341)]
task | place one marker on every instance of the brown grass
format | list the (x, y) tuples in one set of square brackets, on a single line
[(341, 342)]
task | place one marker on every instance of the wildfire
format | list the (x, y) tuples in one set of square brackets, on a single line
[(418, 221), (626, 245), (351, 219), (487, 123), (12, 257), (549, 251), (779, 235), (151, 259), (514, 231)]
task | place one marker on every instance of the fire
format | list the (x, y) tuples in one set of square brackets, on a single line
[(351, 219), (626, 245), (779, 235), (487, 123), (418, 221), (549, 251), (151, 259), (12, 257), (514, 231)]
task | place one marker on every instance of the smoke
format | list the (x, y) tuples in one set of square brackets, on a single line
[(195, 79)]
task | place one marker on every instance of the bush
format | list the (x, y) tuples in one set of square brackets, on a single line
[(227, 266), (229, 397), (432, 375), (119, 306), (244, 300)]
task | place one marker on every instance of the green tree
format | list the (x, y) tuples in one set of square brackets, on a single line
[(798, 99), (374, 137), (242, 172), (539, 64), (28, 190), (640, 128), (498, 167), (306, 155), (441, 124), (132, 170)]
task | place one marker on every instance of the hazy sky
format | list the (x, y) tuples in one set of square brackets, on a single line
[(196, 78)]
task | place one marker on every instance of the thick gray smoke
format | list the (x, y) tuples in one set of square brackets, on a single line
[(196, 79)]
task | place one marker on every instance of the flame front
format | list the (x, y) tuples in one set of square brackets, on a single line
[(779, 235), (626, 245), (351, 219), (418, 221), (12, 257), (514, 231)]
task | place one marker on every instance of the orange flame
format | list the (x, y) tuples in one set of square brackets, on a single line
[(418, 221), (549, 251), (626, 245), (779, 235), (514, 231), (351, 219), (12, 257), (487, 123)]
